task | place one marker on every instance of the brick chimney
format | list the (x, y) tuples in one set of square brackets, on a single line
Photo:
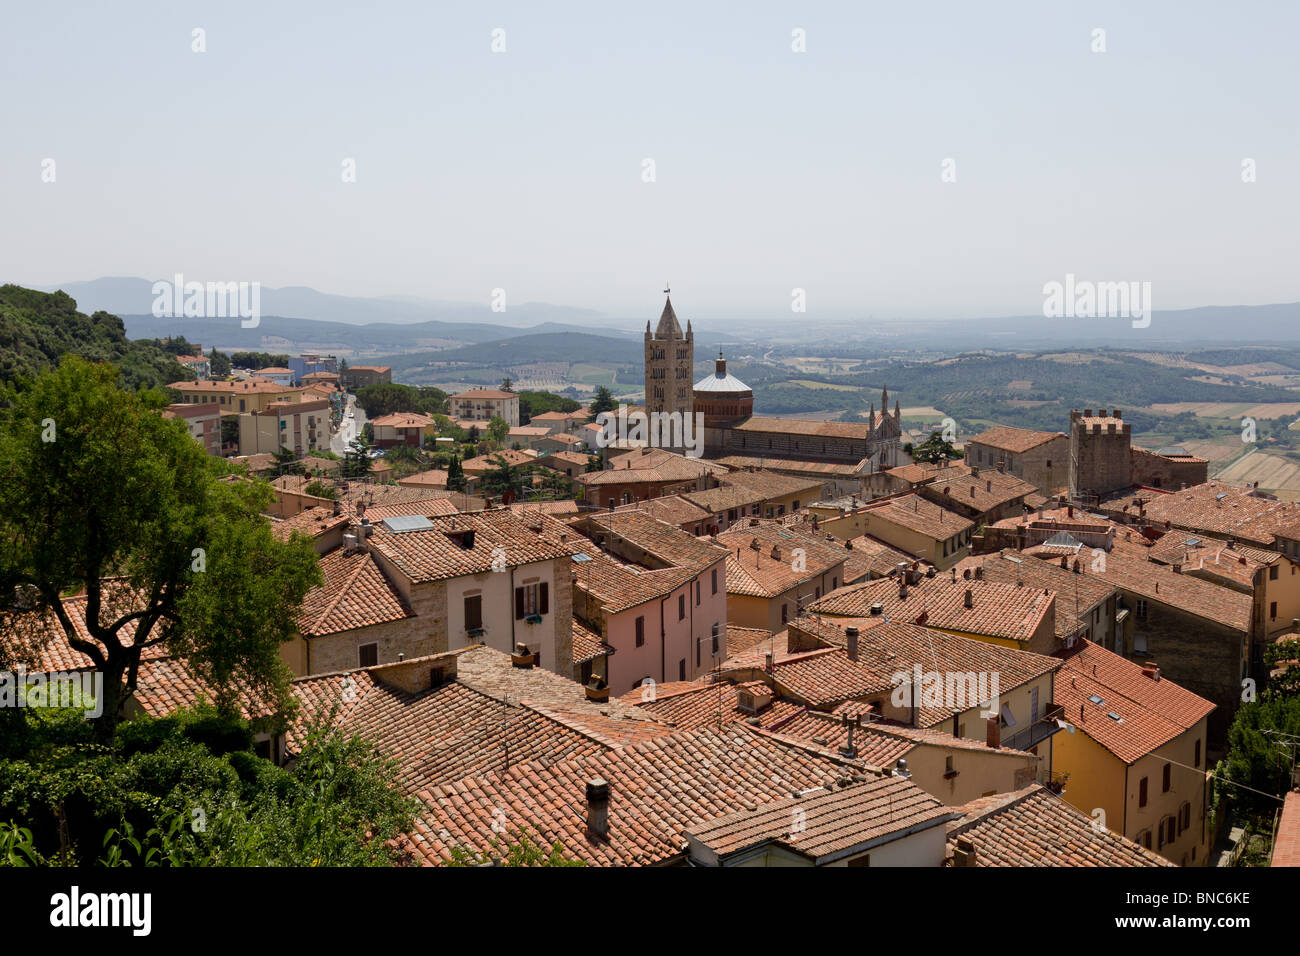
[(848, 750), (851, 636), (968, 599), (964, 853), (598, 809)]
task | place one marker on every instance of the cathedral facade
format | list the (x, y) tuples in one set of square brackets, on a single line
[(726, 405)]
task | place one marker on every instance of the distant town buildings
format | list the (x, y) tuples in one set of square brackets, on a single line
[(485, 404)]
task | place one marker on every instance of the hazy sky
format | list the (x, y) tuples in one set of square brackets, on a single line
[(523, 170)]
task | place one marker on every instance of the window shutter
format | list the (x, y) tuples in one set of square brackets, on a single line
[(544, 599), (519, 603)]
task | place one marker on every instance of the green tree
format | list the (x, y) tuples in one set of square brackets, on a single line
[(287, 463), (503, 477), (321, 489), (934, 450), (602, 402), (533, 403), (498, 429), (220, 362), (507, 385), (455, 475), (356, 460), (104, 496)]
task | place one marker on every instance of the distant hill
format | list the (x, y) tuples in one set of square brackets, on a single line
[(37, 328), (546, 347), (134, 296)]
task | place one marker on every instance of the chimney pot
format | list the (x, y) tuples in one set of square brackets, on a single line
[(851, 636), (968, 599)]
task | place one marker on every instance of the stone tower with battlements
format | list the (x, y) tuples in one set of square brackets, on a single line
[(1100, 457)]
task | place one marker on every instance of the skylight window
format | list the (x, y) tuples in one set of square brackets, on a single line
[(1115, 717), (1096, 700)]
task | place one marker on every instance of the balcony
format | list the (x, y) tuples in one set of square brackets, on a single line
[(1044, 727)]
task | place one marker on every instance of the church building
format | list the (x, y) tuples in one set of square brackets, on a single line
[(727, 406)]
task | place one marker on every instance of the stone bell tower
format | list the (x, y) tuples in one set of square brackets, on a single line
[(669, 364)]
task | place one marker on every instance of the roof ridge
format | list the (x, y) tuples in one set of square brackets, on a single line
[(996, 805), (343, 589)]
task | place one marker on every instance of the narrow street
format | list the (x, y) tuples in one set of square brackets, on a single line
[(349, 429)]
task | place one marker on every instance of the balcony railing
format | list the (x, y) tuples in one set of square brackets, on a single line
[(1038, 731)]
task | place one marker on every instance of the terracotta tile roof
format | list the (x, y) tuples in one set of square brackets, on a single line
[(690, 705), (665, 543), (833, 822), (1224, 511), (1153, 711), (827, 469), (436, 477), (453, 731), (355, 594), (165, 684), (403, 420), (741, 639), (327, 465), (1014, 440), (997, 610), (986, 491), (871, 558), (657, 790), (254, 463), (917, 514), (1286, 847), (802, 426), (1182, 591), (1034, 827), (829, 731), (923, 473), (37, 640), (825, 677), (619, 587), (490, 672), (1076, 594), (383, 494), (246, 387), (491, 713), (723, 498), (429, 507), (650, 465), (1211, 555), (433, 555), (769, 569), (370, 368), (489, 461), (879, 743), (587, 645), (576, 458), (674, 509), (889, 647), (526, 509), (771, 484), (313, 522)]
